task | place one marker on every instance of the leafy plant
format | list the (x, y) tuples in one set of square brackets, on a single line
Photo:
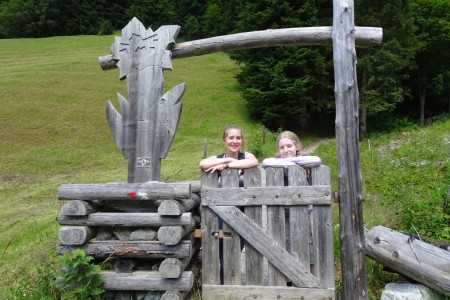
[(77, 278)]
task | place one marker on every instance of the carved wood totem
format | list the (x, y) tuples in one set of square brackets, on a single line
[(146, 126)]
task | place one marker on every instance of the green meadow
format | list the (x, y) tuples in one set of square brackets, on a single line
[(53, 131)]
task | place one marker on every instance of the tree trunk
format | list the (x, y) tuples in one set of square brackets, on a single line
[(423, 93)]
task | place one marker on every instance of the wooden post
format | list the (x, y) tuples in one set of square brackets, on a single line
[(354, 280)]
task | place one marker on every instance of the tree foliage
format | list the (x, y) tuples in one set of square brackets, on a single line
[(285, 87)]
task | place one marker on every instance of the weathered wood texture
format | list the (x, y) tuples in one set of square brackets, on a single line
[(285, 252), (232, 292), (147, 191), (77, 208), (140, 280), (354, 279), (178, 207), (366, 37), (129, 238), (131, 249), (126, 219), (412, 258), (146, 126)]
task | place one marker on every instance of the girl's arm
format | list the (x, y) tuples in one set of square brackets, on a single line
[(304, 161), (213, 163)]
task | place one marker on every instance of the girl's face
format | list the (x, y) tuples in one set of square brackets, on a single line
[(233, 140), (287, 148)]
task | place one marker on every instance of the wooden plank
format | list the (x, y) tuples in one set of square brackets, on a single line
[(147, 191), (266, 245), (414, 259), (299, 226), (323, 232), (232, 292), (138, 249), (145, 281), (283, 195), (210, 240), (254, 261), (231, 244), (276, 224), (126, 219)]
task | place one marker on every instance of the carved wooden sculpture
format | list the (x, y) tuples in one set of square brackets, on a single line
[(146, 126)]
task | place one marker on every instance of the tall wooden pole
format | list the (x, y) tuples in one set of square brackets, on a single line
[(354, 280)]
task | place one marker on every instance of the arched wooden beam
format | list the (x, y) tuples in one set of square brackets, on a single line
[(365, 37)]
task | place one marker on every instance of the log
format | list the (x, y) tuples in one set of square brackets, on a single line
[(131, 249), (172, 235), (145, 281), (174, 267), (365, 37), (147, 191), (77, 208), (75, 235), (124, 265), (126, 219), (412, 258), (176, 208)]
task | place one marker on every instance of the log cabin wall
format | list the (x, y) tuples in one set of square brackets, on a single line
[(143, 230)]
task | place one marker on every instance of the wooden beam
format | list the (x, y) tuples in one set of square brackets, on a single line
[(354, 279), (366, 37), (251, 196)]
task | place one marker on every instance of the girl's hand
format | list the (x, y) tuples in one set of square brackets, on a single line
[(219, 167)]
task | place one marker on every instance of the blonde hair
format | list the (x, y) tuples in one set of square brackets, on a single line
[(292, 136)]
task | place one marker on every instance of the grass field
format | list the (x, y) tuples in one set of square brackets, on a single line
[(54, 131)]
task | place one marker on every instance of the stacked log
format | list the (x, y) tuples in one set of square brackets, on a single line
[(143, 229)]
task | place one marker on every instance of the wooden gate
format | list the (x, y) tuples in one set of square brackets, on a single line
[(276, 241)]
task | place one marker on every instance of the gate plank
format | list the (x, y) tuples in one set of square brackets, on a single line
[(210, 242), (276, 224), (254, 261), (266, 245), (231, 242), (214, 292), (323, 235)]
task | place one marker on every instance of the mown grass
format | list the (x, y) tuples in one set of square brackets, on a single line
[(54, 131)]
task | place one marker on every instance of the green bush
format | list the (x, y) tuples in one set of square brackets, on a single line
[(77, 278)]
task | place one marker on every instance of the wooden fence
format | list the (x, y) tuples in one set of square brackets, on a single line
[(147, 231), (267, 240)]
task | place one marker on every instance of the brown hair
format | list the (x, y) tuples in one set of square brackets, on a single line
[(292, 136)]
